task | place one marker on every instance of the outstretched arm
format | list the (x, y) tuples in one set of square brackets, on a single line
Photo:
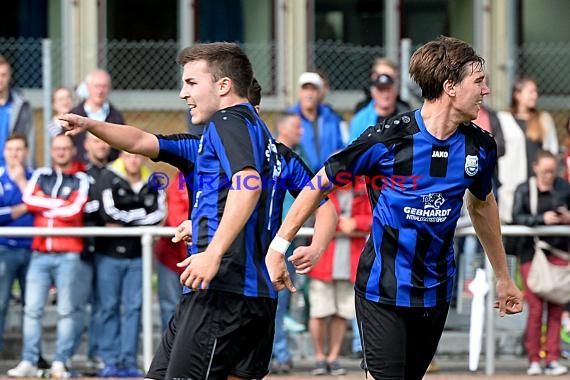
[(485, 218), (123, 137)]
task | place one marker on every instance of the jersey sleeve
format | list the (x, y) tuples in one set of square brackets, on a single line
[(363, 157), (483, 183), (179, 150)]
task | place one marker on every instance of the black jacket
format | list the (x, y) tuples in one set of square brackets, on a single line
[(558, 197), (121, 204)]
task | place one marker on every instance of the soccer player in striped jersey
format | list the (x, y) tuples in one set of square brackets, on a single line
[(223, 326), (419, 165)]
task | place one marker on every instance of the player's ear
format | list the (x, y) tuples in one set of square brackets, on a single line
[(224, 86), (449, 87)]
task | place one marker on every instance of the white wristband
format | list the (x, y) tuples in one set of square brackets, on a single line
[(279, 244)]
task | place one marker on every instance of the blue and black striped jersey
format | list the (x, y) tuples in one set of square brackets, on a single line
[(416, 185), (222, 153)]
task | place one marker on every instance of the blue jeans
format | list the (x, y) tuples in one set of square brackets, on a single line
[(67, 272), (92, 328), (169, 292), (120, 295), (14, 264)]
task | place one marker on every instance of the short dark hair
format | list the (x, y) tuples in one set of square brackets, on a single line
[(445, 58), (224, 60), (544, 154), (17, 136), (254, 93), (4, 61)]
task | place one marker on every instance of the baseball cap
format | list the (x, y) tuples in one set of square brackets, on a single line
[(383, 80), (311, 78)]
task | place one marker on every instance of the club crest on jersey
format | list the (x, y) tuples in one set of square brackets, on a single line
[(433, 201), (471, 165)]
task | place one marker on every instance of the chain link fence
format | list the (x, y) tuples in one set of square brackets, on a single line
[(547, 64), (151, 65), (347, 66), (146, 78)]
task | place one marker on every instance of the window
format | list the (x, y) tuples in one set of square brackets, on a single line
[(141, 44)]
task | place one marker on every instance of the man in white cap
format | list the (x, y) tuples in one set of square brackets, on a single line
[(321, 126)]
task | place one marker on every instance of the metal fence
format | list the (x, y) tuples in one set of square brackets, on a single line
[(547, 63), (148, 233), (146, 78), (150, 65)]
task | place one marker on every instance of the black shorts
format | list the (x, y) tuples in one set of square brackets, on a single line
[(398, 342), (214, 334)]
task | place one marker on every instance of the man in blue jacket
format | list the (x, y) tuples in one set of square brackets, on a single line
[(321, 125)]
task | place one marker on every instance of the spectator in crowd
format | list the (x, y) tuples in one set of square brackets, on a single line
[(322, 134), (331, 293), (97, 107), (384, 99), (16, 115), (97, 157), (406, 271), (168, 254), (381, 65), (127, 199), (57, 198), (322, 99), (543, 200), (15, 253), (526, 130), (61, 103)]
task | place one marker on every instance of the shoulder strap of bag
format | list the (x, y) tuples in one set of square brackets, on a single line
[(555, 251)]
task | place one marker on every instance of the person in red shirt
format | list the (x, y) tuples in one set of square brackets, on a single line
[(56, 196)]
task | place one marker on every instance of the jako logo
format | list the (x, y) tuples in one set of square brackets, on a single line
[(439, 154)]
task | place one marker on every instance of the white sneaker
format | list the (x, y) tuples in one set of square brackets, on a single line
[(555, 369), (534, 369), (58, 370), (23, 369)]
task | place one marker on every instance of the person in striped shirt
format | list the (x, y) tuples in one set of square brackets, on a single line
[(418, 165)]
